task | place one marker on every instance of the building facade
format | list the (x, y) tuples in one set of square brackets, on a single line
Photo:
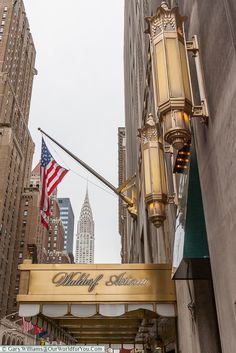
[(17, 59), (122, 206), (67, 218), (56, 229), (85, 235), (58, 257), (12, 334), (205, 302), (46, 246)]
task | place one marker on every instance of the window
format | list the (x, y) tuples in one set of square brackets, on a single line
[(5, 9), (26, 203), (54, 245), (25, 212), (55, 238), (20, 255)]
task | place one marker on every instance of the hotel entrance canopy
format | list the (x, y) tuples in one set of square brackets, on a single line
[(98, 303)]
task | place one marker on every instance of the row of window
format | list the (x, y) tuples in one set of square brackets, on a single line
[(54, 245), (3, 21), (59, 258)]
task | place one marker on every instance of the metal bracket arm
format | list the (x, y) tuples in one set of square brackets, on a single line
[(199, 111), (126, 185), (192, 46), (132, 207)]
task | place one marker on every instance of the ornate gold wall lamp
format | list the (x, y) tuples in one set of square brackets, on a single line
[(155, 188), (171, 77)]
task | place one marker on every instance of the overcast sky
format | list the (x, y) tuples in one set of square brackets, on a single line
[(78, 99)]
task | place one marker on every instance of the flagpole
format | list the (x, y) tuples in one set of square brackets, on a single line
[(91, 170)]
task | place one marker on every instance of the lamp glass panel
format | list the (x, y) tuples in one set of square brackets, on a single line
[(161, 79), (162, 170), (155, 170), (147, 171), (174, 68), (185, 71), (168, 124)]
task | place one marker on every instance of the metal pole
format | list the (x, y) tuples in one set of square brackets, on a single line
[(91, 170)]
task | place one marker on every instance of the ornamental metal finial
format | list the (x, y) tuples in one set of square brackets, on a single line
[(164, 5), (150, 120)]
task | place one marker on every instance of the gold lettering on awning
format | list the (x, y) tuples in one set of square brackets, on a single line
[(84, 279)]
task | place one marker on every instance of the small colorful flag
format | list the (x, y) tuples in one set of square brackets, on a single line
[(37, 330), (51, 174), (43, 333)]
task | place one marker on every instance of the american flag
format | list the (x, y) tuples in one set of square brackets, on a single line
[(26, 325), (51, 175)]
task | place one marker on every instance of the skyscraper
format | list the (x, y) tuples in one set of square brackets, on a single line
[(67, 218), (85, 234), (17, 59)]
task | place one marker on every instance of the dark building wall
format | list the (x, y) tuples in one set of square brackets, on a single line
[(67, 218), (214, 21), (56, 229), (30, 231), (17, 58)]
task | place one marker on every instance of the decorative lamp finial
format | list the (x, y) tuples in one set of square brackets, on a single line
[(164, 5), (150, 120)]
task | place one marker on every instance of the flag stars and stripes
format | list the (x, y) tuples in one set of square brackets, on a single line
[(51, 174)]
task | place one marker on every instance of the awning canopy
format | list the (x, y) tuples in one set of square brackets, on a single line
[(99, 303), (90, 310), (191, 254)]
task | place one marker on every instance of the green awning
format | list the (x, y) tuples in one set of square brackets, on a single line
[(191, 254)]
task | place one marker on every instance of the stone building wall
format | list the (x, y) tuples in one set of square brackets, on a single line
[(17, 58), (202, 329)]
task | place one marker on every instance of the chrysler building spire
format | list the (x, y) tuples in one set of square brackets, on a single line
[(85, 234)]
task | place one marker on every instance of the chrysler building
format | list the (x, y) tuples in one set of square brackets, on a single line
[(85, 235)]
